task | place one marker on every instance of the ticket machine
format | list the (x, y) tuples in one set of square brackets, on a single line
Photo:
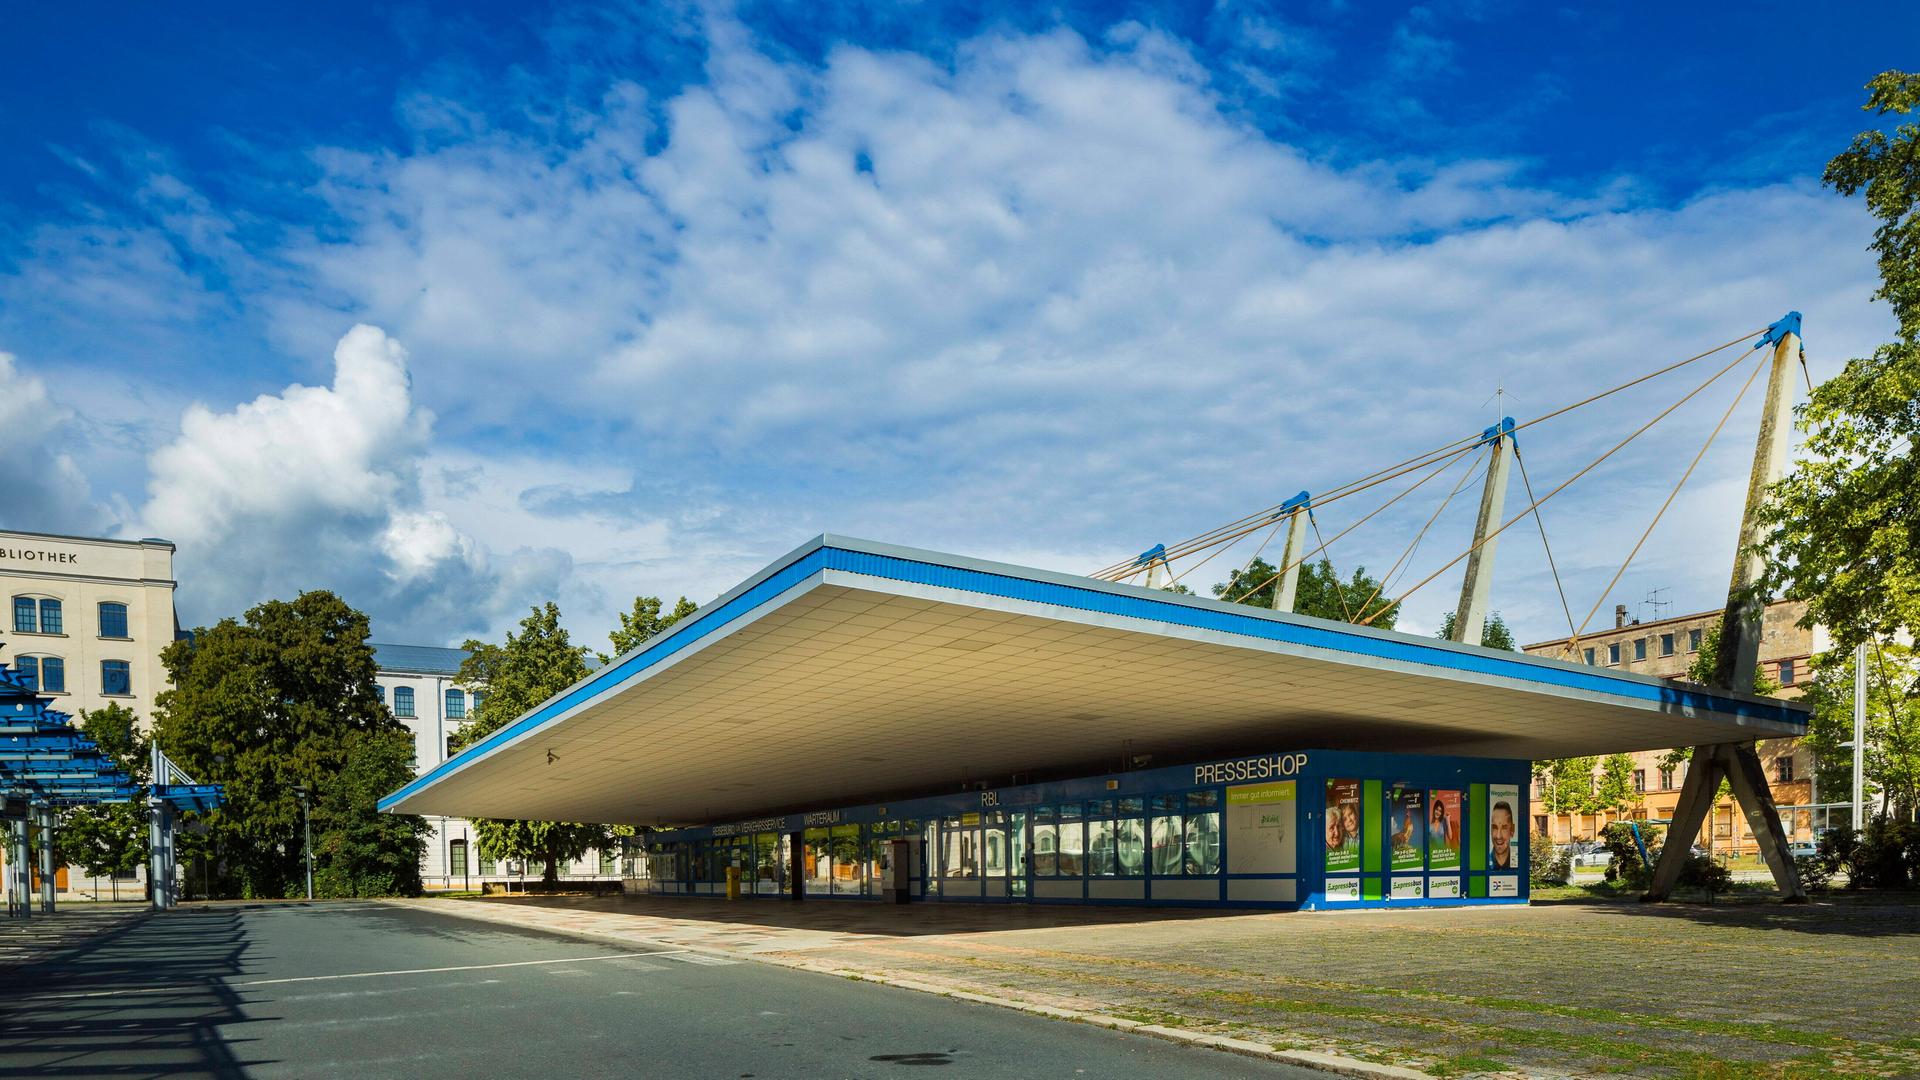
[(899, 868)]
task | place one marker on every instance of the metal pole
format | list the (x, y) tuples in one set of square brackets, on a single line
[(1859, 735), (48, 887), (306, 827)]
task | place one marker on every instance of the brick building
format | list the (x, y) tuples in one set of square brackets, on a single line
[(1665, 648)]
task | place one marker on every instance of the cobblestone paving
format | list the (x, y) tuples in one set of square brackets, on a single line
[(1829, 989)]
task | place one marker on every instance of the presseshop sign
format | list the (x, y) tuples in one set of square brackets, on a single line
[(1260, 768)]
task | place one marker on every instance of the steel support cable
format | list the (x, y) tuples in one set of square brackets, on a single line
[(1332, 574), (1275, 531), (1641, 430), (1442, 467), (1126, 569), (1573, 636), (1671, 495), (1465, 478)]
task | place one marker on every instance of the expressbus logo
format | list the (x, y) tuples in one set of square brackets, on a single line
[(1261, 768)]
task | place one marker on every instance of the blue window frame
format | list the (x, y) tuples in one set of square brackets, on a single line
[(53, 675), (25, 619), (403, 701), (476, 701), (380, 692), (113, 620), (29, 669), (116, 677), (50, 620), (456, 705)]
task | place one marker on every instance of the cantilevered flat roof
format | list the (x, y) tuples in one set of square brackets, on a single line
[(850, 670)]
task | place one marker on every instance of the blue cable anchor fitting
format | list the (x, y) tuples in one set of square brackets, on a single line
[(1302, 501), (1156, 553), (1503, 429), (1780, 328)]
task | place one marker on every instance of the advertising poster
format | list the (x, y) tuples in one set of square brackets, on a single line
[(1503, 885), (1443, 830), (1503, 832), (1444, 888), (1343, 888), (1407, 824), (1260, 822), (1409, 888), (1343, 826)]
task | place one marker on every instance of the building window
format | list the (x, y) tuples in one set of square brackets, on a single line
[(476, 701), (457, 858), (1639, 781), (451, 750), (29, 669), (1787, 672), (1666, 644), (53, 675), (1666, 778), (113, 620), (1783, 770), (1640, 649), (116, 677), (1589, 657), (403, 701), (456, 705), (487, 865), (606, 864), (380, 692), (1693, 641), (25, 621), (1613, 653), (50, 618)]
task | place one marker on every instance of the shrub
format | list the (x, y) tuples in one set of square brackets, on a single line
[(1816, 873), (1627, 868), (1887, 856), (1707, 874), (1550, 864)]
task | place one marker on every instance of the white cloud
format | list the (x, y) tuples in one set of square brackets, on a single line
[(45, 490)]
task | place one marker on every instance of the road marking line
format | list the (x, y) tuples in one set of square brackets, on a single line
[(349, 975)]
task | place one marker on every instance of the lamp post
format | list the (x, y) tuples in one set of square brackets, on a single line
[(306, 828)]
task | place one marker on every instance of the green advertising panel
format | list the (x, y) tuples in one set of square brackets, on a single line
[(1343, 826), (1477, 850), (1407, 827), (1369, 829), (1260, 828), (1443, 829)]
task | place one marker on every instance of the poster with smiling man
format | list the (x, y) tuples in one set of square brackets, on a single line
[(1504, 842)]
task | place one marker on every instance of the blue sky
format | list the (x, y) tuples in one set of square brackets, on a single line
[(651, 294)]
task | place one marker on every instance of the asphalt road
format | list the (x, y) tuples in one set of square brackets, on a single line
[(366, 991)]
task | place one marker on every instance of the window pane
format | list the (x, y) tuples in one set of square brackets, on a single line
[(963, 843), (1666, 644), (1046, 851), (115, 677), (113, 620), (1203, 843), (29, 669), (1169, 842), (403, 701), (50, 619), (380, 692), (451, 750), (1100, 861), (53, 674), (457, 858), (487, 866), (1132, 806), (1073, 848), (1130, 846), (24, 621), (1199, 800), (456, 705), (996, 851)]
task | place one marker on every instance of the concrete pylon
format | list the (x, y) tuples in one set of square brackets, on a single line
[(1297, 511), (1470, 617), (1740, 631)]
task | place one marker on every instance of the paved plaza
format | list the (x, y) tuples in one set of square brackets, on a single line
[(1583, 988)]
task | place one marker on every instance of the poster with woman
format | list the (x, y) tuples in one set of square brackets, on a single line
[(1443, 830), (1503, 815), (1344, 822), (1407, 826)]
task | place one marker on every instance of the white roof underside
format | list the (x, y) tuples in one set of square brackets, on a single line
[(848, 687)]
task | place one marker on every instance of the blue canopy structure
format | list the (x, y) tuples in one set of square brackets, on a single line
[(47, 764)]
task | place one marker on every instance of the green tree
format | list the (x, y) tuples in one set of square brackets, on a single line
[(110, 838), (644, 622), (1494, 632), (1845, 523), (532, 666), (282, 699), (1566, 784), (1701, 669), (1892, 755), (1614, 790), (1321, 593)]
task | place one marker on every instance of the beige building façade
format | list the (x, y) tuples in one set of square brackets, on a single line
[(86, 618)]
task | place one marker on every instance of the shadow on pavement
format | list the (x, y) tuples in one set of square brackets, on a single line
[(146, 999), (1863, 915)]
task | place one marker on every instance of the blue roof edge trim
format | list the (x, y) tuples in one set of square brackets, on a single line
[(828, 552)]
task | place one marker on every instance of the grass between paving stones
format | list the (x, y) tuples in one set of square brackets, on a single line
[(1637, 1043)]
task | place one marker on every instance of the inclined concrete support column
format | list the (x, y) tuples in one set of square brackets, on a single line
[(1740, 632), (19, 885), (1470, 617), (48, 888), (1288, 591)]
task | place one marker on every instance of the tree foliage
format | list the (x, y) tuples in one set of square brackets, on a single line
[(1846, 521), (1320, 593), (1892, 756), (532, 666), (282, 699), (1494, 631), (644, 622), (110, 838)]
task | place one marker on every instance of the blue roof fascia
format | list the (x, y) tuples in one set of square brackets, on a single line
[(828, 552)]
